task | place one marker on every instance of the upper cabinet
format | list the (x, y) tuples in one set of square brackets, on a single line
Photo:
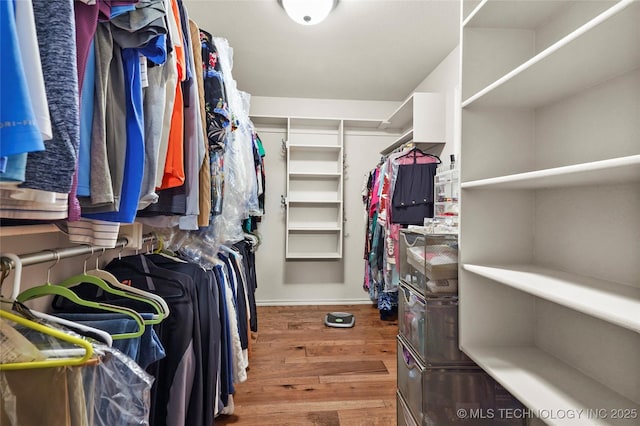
[(419, 119), (550, 200)]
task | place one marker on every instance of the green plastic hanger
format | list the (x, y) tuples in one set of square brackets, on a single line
[(56, 290), (49, 289), (158, 312)]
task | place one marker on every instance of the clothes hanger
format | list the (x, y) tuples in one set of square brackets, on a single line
[(111, 279), (50, 289), (162, 251), (14, 305), (57, 362), (228, 250), (102, 284), (175, 284)]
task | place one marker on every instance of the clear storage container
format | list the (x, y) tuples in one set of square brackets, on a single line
[(430, 326), (429, 262), (447, 190), (410, 371), (467, 397), (404, 416)]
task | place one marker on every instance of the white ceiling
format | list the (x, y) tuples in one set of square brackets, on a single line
[(366, 49)]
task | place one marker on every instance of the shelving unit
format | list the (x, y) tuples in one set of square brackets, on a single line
[(314, 188), (550, 176), (419, 119)]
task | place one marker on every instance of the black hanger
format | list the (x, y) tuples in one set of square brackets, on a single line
[(415, 150)]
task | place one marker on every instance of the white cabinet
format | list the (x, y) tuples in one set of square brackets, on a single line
[(314, 198), (419, 119), (550, 204)]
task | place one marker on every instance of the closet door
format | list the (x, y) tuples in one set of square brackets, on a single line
[(314, 188), (550, 204)]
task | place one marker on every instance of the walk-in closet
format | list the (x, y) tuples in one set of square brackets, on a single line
[(320, 212)]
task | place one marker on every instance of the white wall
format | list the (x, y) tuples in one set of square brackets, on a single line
[(288, 282), (325, 108)]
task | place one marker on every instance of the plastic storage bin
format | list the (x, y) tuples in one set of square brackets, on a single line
[(467, 397), (429, 262), (410, 372), (447, 189), (403, 416), (430, 325)]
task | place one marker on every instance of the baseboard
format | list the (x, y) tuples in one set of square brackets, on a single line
[(364, 301)]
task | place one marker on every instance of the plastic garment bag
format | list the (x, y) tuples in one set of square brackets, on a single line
[(113, 391), (240, 196), (117, 390)]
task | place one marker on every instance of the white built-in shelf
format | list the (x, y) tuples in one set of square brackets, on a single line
[(424, 146), (315, 147), (268, 121), (408, 137), (312, 201), (11, 231), (419, 119), (310, 255), (609, 301), (548, 386), (362, 124), (615, 170), (524, 14), (315, 174), (604, 50), (314, 227), (273, 121), (402, 117), (314, 187), (469, 8)]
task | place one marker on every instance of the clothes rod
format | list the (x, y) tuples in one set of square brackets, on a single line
[(53, 255)]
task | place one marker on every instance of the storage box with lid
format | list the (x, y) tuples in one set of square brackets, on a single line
[(430, 326), (429, 262)]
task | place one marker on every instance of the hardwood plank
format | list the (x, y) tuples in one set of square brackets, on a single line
[(302, 372), (329, 358), (391, 378), (299, 380), (323, 368), (373, 417), (329, 392), (306, 407), (352, 350)]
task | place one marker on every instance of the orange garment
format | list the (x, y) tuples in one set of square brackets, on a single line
[(174, 166)]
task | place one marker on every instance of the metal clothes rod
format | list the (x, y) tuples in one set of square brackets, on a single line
[(52, 255)]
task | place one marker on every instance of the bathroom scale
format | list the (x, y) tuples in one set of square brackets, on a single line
[(339, 319)]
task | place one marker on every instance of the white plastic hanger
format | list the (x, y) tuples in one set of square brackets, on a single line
[(15, 290), (111, 279)]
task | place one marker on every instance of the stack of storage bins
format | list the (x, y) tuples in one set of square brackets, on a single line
[(438, 385)]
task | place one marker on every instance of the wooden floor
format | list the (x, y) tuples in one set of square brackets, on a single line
[(304, 373)]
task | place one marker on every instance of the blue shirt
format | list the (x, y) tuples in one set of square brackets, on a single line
[(19, 131), (86, 122)]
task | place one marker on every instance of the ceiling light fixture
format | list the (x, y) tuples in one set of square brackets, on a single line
[(308, 12)]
